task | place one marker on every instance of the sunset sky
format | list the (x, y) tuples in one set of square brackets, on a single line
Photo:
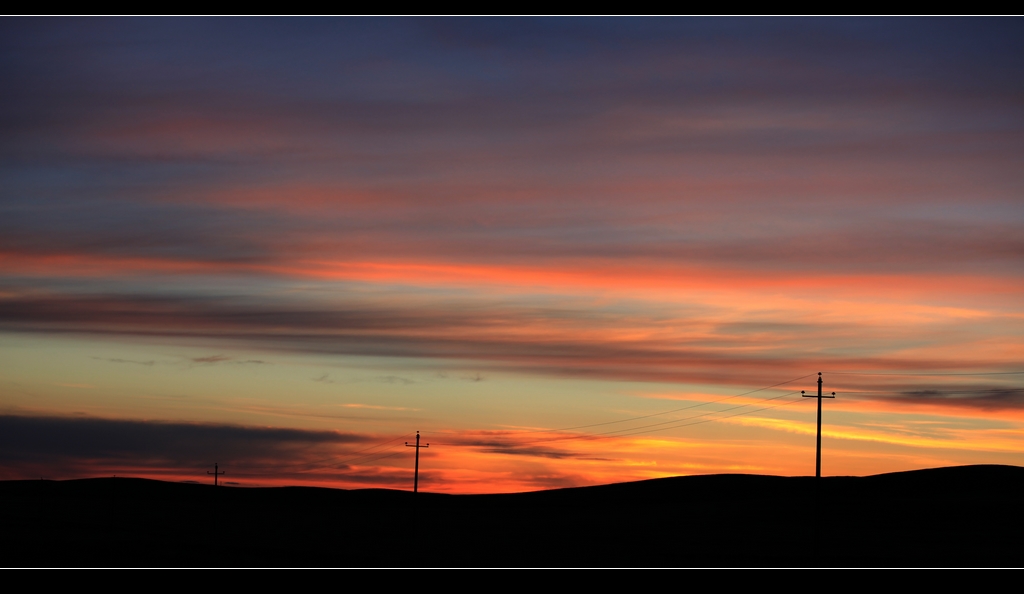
[(568, 251)]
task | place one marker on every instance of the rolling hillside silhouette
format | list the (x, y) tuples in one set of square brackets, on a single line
[(959, 516)]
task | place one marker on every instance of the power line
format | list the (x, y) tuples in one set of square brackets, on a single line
[(372, 447), (309, 467), (700, 404), (375, 456), (331, 461), (925, 374), (746, 412), (382, 443), (658, 414), (633, 430), (360, 459), (661, 426), (368, 460), (382, 457), (940, 392)]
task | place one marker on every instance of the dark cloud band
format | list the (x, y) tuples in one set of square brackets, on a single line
[(65, 446)]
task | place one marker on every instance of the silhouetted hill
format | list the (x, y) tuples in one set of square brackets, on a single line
[(969, 515)]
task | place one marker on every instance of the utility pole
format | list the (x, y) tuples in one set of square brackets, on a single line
[(215, 474), (817, 460), (817, 472), (416, 474)]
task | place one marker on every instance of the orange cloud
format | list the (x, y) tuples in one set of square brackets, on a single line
[(583, 276)]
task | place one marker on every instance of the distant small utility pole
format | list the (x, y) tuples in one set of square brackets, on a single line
[(817, 461), (215, 474), (416, 475)]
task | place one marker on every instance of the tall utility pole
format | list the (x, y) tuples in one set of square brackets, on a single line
[(215, 474), (416, 475), (817, 460)]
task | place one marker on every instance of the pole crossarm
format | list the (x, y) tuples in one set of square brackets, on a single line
[(215, 473), (817, 461)]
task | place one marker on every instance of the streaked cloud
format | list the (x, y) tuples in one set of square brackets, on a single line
[(110, 360), (667, 346)]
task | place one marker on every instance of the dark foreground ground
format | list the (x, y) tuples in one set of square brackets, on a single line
[(963, 516)]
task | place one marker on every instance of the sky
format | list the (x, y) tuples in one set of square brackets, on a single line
[(568, 251)]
